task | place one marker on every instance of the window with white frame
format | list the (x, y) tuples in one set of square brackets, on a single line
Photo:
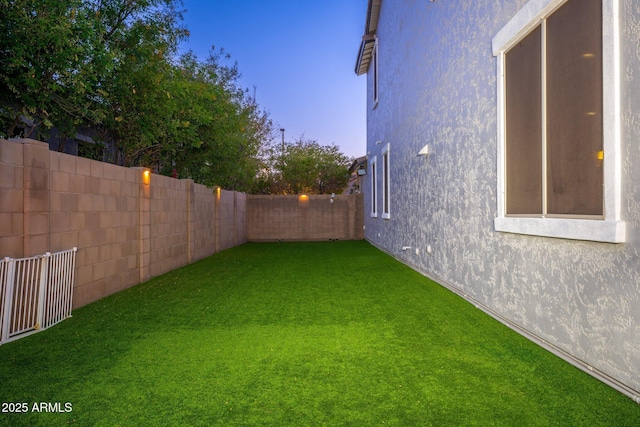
[(374, 188), (558, 104), (386, 184), (374, 63)]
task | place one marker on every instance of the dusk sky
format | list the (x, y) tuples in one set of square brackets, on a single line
[(299, 55)]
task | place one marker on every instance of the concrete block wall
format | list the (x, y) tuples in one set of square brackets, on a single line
[(168, 227), (128, 226), (272, 218), (202, 226), (12, 200), (304, 218), (240, 218), (95, 207), (230, 218)]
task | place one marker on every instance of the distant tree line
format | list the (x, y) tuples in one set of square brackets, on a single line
[(113, 67), (304, 166)]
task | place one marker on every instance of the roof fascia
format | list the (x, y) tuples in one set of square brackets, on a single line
[(370, 28)]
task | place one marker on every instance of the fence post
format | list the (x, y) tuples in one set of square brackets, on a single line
[(191, 217), (70, 279), (235, 218), (42, 287), (144, 224), (8, 298), (36, 195), (216, 220)]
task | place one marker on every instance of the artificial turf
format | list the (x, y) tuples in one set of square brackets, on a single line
[(295, 334)]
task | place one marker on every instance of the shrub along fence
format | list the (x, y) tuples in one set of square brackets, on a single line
[(130, 225)]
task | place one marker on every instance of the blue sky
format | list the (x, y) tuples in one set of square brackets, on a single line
[(299, 54)]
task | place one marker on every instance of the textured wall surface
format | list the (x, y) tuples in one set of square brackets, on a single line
[(309, 218), (437, 86), (126, 230)]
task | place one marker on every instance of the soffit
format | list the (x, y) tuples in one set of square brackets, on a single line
[(368, 39)]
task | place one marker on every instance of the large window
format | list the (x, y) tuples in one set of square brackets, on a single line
[(374, 188), (559, 139), (386, 184), (554, 115)]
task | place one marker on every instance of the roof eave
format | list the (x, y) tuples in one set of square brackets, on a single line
[(368, 39), (364, 54)]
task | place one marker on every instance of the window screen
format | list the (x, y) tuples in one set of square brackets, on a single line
[(574, 109), (553, 94), (524, 126)]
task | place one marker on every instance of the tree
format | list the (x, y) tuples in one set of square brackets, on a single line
[(305, 167), (48, 63), (61, 61), (224, 132), (142, 38), (110, 67)]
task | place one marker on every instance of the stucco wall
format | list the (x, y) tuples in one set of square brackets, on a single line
[(437, 86)]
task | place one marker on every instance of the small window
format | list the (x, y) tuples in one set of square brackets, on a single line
[(386, 184), (374, 189), (374, 61), (558, 95)]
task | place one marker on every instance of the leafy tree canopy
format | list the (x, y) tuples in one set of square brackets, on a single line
[(111, 68), (304, 167)]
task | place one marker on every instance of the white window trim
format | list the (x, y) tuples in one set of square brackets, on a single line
[(374, 188), (386, 176), (610, 229)]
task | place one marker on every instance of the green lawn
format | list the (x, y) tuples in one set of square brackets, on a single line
[(296, 334)]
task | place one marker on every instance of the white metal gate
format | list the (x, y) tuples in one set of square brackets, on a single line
[(35, 293)]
